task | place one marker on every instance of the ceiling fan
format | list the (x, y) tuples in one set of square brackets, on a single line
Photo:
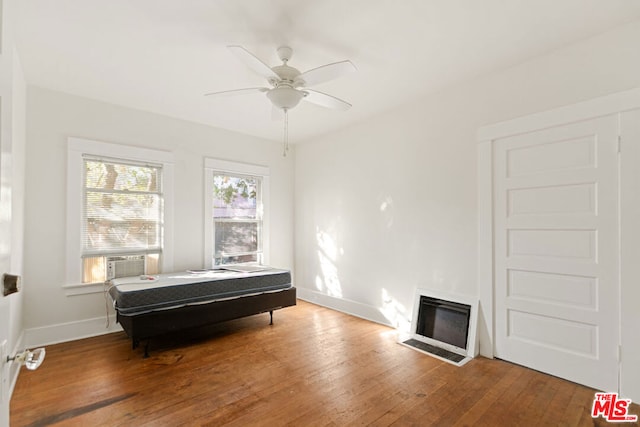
[(288, 86)]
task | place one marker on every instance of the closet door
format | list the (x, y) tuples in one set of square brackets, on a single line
[(556, 251)]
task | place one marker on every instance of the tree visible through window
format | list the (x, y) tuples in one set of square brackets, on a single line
[(237, 216), (122, 214)]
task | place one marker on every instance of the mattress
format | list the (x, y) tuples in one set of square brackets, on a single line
[(142, 294)]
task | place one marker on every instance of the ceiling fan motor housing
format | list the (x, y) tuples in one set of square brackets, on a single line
[(286, 73), (284, 95)]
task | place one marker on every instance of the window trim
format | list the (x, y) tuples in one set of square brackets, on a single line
[(212, 166), (77, 147)]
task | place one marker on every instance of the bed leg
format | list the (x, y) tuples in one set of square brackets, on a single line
[(134, 344), (146, 350), (271, 317)]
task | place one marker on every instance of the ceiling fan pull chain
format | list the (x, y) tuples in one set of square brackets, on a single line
[(286, 133)]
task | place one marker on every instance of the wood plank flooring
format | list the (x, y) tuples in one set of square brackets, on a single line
[(313, 367)]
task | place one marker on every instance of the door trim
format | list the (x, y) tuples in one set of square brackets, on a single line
[(603, 106)]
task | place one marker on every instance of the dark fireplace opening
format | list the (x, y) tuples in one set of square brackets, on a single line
[(443, 326), (444, 321)]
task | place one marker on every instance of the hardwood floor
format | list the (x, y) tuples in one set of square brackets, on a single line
[(314, 366)]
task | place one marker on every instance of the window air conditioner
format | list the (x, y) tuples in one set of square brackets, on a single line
[(125, 266)]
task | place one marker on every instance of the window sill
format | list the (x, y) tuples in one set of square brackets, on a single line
[(83, 289)]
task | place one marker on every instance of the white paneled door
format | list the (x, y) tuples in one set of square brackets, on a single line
[(556, 251)]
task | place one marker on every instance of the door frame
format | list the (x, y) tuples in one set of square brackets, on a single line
[(603, 106)]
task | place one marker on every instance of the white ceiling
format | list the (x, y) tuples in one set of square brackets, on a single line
[(163, 55)]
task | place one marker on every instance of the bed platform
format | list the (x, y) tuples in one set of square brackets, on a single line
[(149, 306)]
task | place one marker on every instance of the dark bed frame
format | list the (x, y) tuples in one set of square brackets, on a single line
[(155, 323)]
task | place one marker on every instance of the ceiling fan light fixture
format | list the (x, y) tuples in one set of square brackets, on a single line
[(285, 97)]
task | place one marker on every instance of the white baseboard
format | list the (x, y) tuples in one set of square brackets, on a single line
[(63, 332), (353, 308), (14, 369)]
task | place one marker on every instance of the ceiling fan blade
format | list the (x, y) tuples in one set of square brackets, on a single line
[(326, 73), (234, 92), (324, 100), (253, 62)]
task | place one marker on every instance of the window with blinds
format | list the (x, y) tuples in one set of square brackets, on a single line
[(237, 218), (121, 215)]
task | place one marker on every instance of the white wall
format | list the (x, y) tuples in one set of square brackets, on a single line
[(52, 118), (390, 205)]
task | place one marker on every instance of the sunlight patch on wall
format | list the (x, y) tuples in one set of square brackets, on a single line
[(395, 312), (327, 245), (328, 251), (386, 209)]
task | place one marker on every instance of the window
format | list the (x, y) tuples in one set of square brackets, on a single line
[(237, 218), (119, 204), (236, 224), (122, 214)]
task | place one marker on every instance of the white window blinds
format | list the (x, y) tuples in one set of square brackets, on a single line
[(122, 207)]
